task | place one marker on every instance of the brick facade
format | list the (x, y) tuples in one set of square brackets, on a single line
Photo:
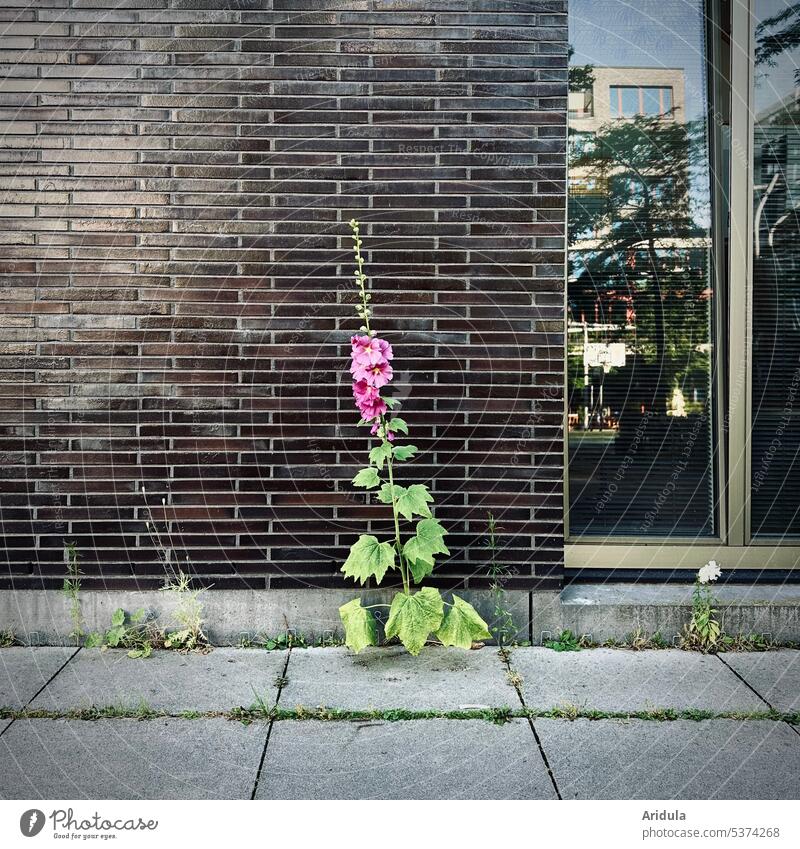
[(177, 177)]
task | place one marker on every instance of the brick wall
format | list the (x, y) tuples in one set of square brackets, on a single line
[(176, 180)]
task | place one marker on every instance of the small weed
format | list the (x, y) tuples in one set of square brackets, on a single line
[(260, 705), (188, 614), (288, 640), (71, 591), (662, 714), (697, 715), (749, 642), (502, 619), (7, 639), (132, 632), (566, 711), (566, 641), (140, 711), (640, 640), (514, 678)]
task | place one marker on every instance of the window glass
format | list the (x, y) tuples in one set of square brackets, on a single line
[(640, 290), (629, 100), (775, 438)]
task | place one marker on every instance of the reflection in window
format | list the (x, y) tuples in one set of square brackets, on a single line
[(641, 452), (775, 439)]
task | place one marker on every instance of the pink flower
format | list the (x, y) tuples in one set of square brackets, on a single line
[(370, 351), (376, 375), (372, 409), (368, 400)]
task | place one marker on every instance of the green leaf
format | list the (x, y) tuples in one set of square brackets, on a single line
[(114, 636), (398, 425), (360, 627), (385, 495), (404, 452), (419, 549), (413, 617), (462, 625), (391, 403), (419, 559), (93, 640), (367, 478), (414, 501), (368, 558), (431, 534), (379, 454), (118, 618), (138, 616)]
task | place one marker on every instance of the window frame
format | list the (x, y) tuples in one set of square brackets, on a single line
[(616, 92), (734, 545)]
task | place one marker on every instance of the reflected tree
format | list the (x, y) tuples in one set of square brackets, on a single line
[(635, 239)]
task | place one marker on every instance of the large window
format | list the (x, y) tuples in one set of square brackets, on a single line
[(641, 291), (684, 285)]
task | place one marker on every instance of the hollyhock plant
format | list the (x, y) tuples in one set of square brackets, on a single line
[(413, 616)]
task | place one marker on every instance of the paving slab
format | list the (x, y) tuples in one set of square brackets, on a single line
[(219, 680), (421, 759), (129, 759), (775, 675), (438, 679), (636, 759), (24, 670), (617, 680)]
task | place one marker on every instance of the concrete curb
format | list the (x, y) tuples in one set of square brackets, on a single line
[(610, 611)]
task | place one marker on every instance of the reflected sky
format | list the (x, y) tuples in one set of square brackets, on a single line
[(644, 34)]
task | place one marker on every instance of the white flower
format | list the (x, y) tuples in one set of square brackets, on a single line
[(708, 573)]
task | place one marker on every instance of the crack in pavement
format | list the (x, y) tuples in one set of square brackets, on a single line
[(505, 656)]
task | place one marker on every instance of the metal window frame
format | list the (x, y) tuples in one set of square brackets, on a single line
[(734, 545)]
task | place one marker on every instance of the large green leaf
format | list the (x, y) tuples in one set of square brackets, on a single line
[(411, 501), (419, 550), (368, 558), (414, 501), (367, 478), (419, 559), (398, 425), (385, 495), (379, 454), (404, 452), (431, 533), (413, 617), (462, 625), (360, 628)]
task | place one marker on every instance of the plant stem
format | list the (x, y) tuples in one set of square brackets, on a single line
[(403, 567)]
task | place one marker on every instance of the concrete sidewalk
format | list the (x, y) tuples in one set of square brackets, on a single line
[(322, 723)]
